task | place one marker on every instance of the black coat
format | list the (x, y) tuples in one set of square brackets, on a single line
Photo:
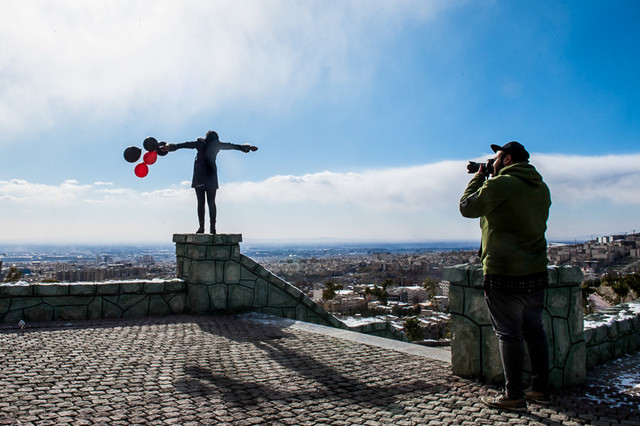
[(205, 172)]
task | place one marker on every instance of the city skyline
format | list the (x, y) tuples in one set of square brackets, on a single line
[(365, 115)]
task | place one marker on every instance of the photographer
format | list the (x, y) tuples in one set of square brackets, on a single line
[(513, 207)]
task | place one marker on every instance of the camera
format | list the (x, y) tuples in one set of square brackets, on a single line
[(473, 167)]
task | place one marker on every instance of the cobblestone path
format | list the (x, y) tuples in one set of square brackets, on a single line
[(229, 370)]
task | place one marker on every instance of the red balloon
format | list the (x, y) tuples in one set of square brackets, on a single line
[(150, 157), (141, 170)]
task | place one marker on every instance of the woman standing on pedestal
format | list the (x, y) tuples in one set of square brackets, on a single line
[(205, 172)]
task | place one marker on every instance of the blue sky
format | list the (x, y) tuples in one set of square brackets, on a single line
[(365, 114)]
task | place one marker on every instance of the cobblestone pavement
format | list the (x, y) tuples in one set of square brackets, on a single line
[(230, 370)]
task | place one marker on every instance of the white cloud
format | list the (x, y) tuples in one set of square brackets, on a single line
[(66, 59), (590, 195)]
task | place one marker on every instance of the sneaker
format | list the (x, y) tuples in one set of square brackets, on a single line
[(541, 398), (505, 403)]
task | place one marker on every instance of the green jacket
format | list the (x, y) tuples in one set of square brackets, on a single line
[(513, 208)]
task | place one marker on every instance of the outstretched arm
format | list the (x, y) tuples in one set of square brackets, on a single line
[(244, 148)]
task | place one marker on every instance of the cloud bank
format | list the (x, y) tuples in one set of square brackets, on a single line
[(67, 59), (591, 195)]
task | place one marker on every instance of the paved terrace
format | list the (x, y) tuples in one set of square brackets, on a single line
[(251, 369)]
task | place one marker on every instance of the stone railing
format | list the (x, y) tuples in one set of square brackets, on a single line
[(474, 345), (79, 301), (213, 277), (612, 332)]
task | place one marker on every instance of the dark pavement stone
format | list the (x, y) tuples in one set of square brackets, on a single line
[(231, 370)]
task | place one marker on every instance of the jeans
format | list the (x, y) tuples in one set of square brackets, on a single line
[(211, 202), (516, 317)]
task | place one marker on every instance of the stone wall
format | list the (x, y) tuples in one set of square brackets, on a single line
[(474, 345), (78, 301), (612, 332)]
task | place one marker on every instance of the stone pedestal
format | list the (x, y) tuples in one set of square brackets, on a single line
[(474, 345)]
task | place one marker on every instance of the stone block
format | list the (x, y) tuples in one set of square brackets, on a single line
[(234, 238), (491, 363), (589, 336), (301, 312), (203, 272), (107, 289), (70, 313), (50, 290), (456, 299), (219, 252), (198, 298), (476, 276), (175, 286), (554, 276), (277, 282), (67, 300), (180, 238), (475, 306), (280, 299), (235, 252), (558, 302), (218, 297), (220, 239), (16, 290), (82, 289), (465, 348), (4, 305), (575, 366), (181, 250), (240, 298), (570, 275), (248, 263), (457, 275), (39, 313), (219, 271), (231, 272), (293, 291), (197, 252), (153, 287), (130, 287), (202, 239), (260, 293), (25, 302), (562, 341), (94, 308)]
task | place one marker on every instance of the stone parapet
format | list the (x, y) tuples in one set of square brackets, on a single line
[(612, 332), (474, 345), (79, 301)]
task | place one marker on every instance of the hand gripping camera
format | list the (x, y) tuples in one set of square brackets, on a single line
[(473, 167)]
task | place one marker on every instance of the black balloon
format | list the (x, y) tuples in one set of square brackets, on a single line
[(150, 144), (132, 154)]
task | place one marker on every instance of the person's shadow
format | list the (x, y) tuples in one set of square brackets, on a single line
[(287, 358)]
